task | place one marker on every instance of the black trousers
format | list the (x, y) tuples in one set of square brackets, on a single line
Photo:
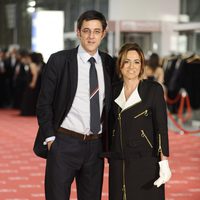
[(71, 158)]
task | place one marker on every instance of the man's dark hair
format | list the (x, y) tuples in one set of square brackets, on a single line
[(91, 15)]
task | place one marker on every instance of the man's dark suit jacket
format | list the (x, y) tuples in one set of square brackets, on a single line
[(59, 84)]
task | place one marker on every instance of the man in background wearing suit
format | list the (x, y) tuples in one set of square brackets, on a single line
[(73, 128)]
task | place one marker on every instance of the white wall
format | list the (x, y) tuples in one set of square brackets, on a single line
[(143, 9), (164, 11), (47, 32)]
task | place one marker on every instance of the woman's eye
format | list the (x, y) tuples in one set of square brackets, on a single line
[(126, 61)]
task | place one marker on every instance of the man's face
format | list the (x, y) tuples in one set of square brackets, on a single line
[(90, 35)]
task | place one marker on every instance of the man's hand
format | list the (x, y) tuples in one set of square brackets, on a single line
[(165, 173)]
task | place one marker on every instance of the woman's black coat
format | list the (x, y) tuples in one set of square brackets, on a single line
[(139, 133)]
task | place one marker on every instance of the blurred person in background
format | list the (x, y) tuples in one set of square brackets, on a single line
[(72, 112), (10, 64), (138, 158), (2, 78), (31, 92), (153, 69), (21, 77)]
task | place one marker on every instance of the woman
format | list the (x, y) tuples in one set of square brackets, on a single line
[(29, 100), (153, 70), (139, 148)]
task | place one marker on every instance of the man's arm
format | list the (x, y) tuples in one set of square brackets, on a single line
[(44, 108)]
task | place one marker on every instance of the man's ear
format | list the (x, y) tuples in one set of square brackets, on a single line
[(78, 33), (104, 33)]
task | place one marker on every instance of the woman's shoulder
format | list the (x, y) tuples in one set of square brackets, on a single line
[(150, 88), (159, 69), (150, 84)]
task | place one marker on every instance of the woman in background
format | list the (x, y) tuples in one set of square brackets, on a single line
[(28, 106), (153, 69)]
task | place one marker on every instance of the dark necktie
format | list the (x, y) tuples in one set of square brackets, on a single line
[(94, 99)]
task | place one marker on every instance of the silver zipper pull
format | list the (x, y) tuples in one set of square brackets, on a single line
[(145, 113), (144, 135), (160, 147), (113, 132)]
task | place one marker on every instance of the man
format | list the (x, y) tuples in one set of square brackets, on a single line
[(67, 116)]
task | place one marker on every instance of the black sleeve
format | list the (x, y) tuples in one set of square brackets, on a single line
[(44, 108), (160, 120)]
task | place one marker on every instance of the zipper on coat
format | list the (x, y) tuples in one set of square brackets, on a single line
[(123, 162), (145, 113), (144, 135), (160, 145), (113, 132)]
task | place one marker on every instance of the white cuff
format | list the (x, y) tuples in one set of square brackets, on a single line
[(52, 138)]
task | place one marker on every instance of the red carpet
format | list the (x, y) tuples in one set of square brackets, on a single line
[(22, 173)]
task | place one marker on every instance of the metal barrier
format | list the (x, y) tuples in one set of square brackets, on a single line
[(184, 113)]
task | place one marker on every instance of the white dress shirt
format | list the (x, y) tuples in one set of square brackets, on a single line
[(78, 118)]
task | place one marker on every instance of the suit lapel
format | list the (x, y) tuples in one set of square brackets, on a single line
[(73, 71), (106, 81), (70, 81)]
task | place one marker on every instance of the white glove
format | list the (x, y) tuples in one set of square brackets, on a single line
[(165, 173)]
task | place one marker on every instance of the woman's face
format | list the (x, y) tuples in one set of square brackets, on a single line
[(131, 66)]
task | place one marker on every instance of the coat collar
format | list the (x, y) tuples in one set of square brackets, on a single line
[(132, 100)]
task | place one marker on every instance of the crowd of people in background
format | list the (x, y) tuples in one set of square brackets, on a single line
[(20, 77)]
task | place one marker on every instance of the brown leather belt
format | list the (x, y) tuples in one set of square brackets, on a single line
[(79, 135)]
